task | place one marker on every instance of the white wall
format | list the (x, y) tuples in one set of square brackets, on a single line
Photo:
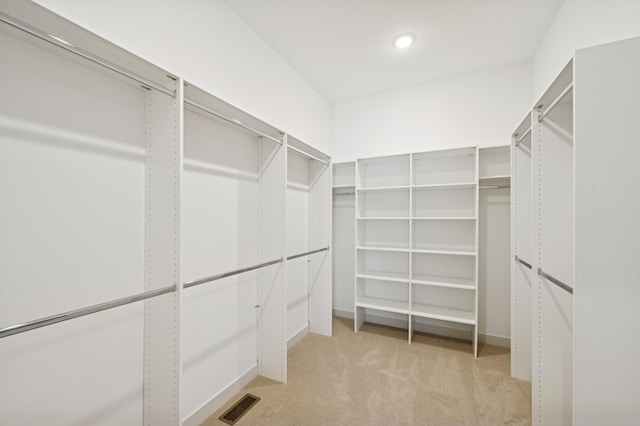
[(479, 108), (579, 24), (206, 43)]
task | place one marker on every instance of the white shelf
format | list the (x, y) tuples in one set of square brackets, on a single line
[(494, 161), (343, 187), (441, 281), (344, 175), (386, 305), (446, 252), (384, 218), (443, 314), (442, 218), (445, 186), (385, 276), (384, 188), (391, 249)]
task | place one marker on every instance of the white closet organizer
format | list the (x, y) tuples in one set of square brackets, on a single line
[(343, 251), (106, 206), (521, 253), (308, 240), (584, 205), (232, 218), (494, 245), (553, 226), (417, 238), (90, 152)]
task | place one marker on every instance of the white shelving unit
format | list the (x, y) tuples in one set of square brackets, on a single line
[(343, 244), (416, 238), (309, 228), (583, 242), (90, 166), (127, 191)]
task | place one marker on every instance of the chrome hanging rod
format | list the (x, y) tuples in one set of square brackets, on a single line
[(84, 54), (495, 187), (230, 120), (229, 274), (306, 154), (555, 281), (555, 102), (295, 256), (528, 265), (524, 135), (54, 319)]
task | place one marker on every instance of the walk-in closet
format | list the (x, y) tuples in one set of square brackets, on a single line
[(319, 213)]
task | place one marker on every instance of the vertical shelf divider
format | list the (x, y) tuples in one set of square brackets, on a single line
[(162, 366)]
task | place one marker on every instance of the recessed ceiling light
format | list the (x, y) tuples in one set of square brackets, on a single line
[(404, 40)]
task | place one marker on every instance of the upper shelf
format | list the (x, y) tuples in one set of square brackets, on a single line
[(452, 166), (383, 172), (495, 163), (54, 33)]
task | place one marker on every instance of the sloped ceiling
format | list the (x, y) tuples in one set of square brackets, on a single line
[(344, 49)]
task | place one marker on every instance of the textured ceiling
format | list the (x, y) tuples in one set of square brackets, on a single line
[(343, 47)]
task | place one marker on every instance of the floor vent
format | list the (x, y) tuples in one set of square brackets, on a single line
[(239, 409)]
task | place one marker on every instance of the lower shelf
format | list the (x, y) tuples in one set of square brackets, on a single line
[(383, 305), (444, 314)]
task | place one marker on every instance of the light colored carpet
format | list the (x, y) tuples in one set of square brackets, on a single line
[(374, 377)]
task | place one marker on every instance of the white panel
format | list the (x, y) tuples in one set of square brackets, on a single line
[(392, 203), (383, 172), (607, 347), (162, 258), (320, 288), (553, 222), (344, 174), (494, 262), (72, 226), (444, 167), (297, 242), (343, 252), (494, 162), (219, 234), (521, 276), (272, 312)]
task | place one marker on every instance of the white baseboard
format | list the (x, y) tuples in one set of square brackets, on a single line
[(293, 340), (208, 408), (341, 313)]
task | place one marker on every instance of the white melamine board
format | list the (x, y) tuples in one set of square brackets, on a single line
[(443, 269), (164, 151), (72, 225), (344, 174), (494, 162), (383, 172), (444, 167), (494, 262), (297, 242), (272, 295), (521, 276), (553, 216), (448, 235), (343, 252), (388, 203), (382, 263), (320, 267), (607, 348), (219, 234), (383, 233), (444, 202)]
